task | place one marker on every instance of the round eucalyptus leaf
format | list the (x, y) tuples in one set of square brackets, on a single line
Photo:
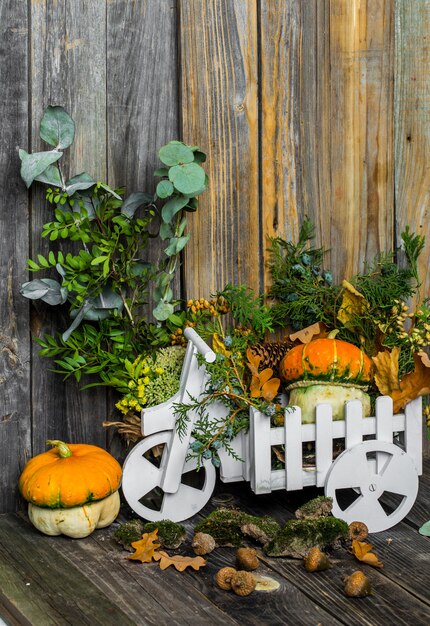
[(188, 178), (175, 153), (57, 127), (32, 165), (163, 311), (79, 182), (50, 176), (164, 189), (172, 207)]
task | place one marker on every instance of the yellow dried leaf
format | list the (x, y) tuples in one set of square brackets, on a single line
[(255, 387), (362, 552), (270, 389), (265, 375), (353, 304), (414, 384), (219, 346), (305, 335), (179, 562), (253, 361), (145, 547), (387, 370)]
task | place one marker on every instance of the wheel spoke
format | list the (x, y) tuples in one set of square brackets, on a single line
[(395, 477), (364, 507)]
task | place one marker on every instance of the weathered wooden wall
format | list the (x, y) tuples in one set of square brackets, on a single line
[(305, 107)]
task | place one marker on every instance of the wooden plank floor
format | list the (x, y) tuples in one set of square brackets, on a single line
[(56, 580)]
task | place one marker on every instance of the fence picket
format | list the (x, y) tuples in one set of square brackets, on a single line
[(261, 452), (323, 442), (353, 423), (413, 433), (293, 449)]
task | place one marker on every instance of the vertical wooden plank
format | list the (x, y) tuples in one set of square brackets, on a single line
[(327, 125), (295, 123), (361, 61), (15, 401), (68, 67), (412, 128), (219, 65), (142, 98)]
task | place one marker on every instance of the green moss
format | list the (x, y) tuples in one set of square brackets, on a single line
[(165, 385), (298, 536), (128, 532), (229, 527), (318, 507), (170, 534)]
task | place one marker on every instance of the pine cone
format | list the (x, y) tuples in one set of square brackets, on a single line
[(271, 353)]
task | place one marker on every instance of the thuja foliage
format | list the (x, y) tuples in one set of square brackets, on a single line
[(303, 293), (232, 387), (102, 273)]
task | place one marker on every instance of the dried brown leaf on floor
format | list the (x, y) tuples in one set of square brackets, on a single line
[(145, 547), (305, 335), (362, 552), (179, 562)]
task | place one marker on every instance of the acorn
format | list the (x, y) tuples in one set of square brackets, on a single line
[(358, 531), (243, 583), (357, 585), (316, 561), (247, 559), (203, 543), (224, 576)]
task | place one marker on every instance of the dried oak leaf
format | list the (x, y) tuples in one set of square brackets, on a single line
[(262, 383), (305, 335), (414, 384), (179, 562), (362, 552), (145, 547), (387, 370), (353, 304)]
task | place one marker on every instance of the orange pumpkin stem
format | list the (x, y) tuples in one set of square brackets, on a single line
[(62, 448)]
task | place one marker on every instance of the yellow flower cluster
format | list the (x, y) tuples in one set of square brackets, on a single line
[(141, 375), (419, 335)]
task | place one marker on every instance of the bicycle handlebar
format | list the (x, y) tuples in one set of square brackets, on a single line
[(201, 346)]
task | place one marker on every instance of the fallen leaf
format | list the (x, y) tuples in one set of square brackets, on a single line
[(145, 547), (387, 370), (425, 529), (179, 562), (362, 552), (305, 335), (353, 304)]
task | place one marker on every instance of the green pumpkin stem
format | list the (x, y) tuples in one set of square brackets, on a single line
[(62, 448)]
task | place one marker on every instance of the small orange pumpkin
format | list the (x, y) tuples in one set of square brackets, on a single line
[(326, 360), (69, 475)]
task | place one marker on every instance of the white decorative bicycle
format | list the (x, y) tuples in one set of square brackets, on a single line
[(161, 482)]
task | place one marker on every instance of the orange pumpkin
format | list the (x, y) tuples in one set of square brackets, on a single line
[(69, 475), (326, 360)]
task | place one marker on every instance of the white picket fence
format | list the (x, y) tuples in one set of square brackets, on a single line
[(404, 429)]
